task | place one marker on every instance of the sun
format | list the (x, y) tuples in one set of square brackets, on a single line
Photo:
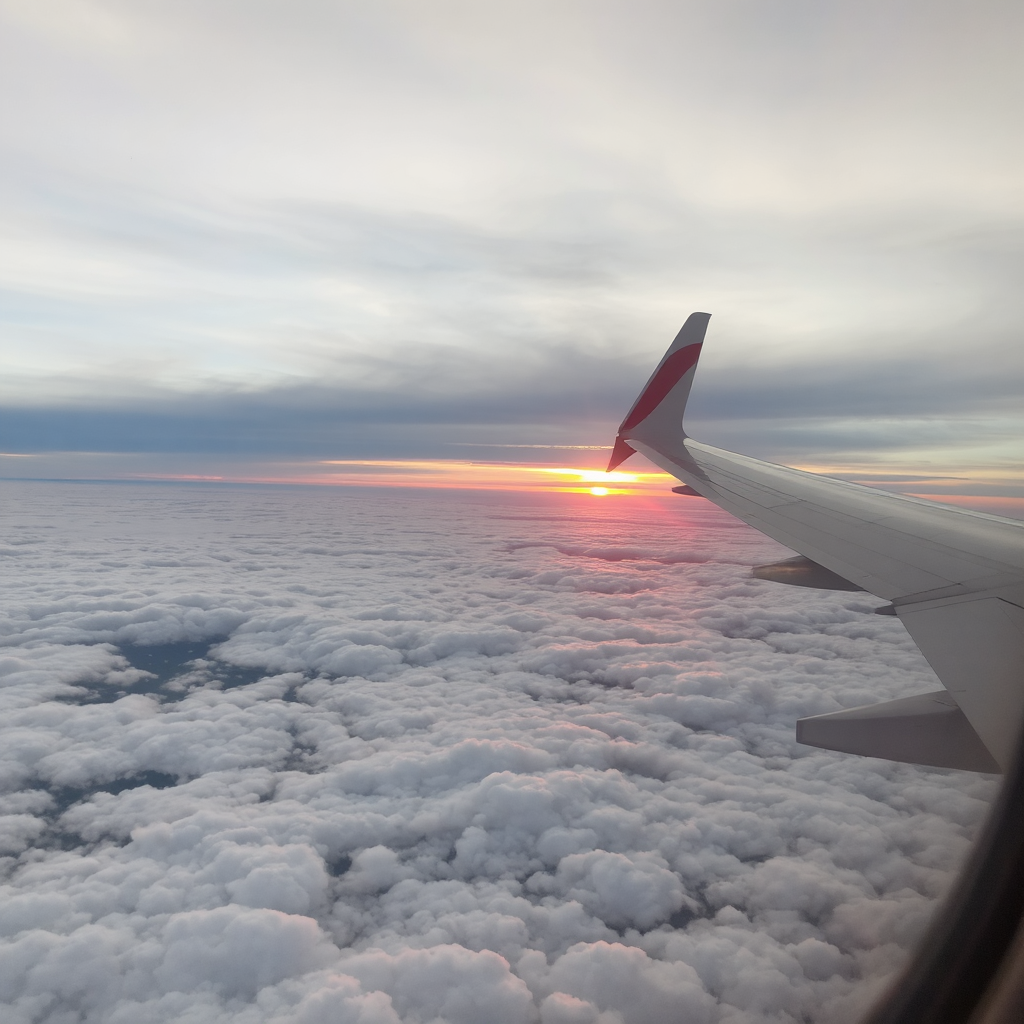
[(599, 491)]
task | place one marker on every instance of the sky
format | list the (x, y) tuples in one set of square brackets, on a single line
[(310, 755), (456, 741), (248, 240)]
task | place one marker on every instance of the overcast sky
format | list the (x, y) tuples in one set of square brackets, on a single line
[(381, 229)]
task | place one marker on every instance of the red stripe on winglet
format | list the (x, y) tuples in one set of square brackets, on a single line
[(620, 453), (667, 377)]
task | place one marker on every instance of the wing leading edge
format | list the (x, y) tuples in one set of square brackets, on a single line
[(954, 577)]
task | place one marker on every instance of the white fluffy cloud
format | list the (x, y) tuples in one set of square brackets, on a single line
[(275, 755)]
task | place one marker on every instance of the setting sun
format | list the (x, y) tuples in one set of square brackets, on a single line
[(599, 491)]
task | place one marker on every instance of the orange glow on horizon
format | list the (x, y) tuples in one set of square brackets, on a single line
[(1004, 496), (454, 474), (439, 473)]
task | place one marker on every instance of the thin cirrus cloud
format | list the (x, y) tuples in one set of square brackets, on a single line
[(353, 755), (488, 223)]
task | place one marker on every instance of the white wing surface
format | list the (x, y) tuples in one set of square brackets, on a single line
[(954, 577)]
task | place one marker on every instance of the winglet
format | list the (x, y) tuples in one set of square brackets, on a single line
[(620, 453), (658, 412)]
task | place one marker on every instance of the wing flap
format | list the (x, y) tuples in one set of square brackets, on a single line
[(803, 572), (926, 729)]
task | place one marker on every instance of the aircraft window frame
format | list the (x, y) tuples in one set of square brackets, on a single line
[(970, 965)]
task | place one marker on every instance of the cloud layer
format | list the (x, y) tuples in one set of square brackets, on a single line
[(294, 755)]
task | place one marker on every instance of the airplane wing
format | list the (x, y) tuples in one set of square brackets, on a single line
[(954, 577)]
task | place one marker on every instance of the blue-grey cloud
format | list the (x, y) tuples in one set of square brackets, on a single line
[(423, 404), (375, 215)]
